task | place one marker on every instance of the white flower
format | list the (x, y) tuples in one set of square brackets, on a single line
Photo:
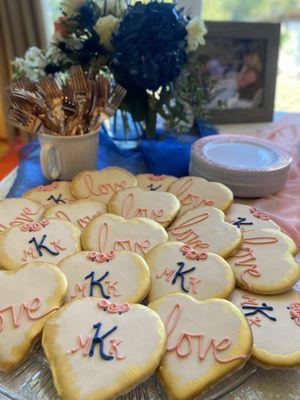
[(196, 32), (105, 27), (112, 7), (71, 7)]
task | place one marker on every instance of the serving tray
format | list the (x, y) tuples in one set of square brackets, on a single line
[(32, 380)]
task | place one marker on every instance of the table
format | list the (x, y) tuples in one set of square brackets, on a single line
[(265, 384)]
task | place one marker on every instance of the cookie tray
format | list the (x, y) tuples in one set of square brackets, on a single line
[(32, 380)]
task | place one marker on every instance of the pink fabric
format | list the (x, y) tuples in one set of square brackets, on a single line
[(284, 207)]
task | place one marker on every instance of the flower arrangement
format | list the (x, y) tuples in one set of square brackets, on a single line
[(147, 47)]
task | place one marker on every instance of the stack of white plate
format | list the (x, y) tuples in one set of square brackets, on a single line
[(249, 166)]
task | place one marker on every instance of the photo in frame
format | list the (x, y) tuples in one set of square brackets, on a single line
[(241, 59)]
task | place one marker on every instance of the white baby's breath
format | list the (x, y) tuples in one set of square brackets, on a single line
[(105, 26), (196, 32)]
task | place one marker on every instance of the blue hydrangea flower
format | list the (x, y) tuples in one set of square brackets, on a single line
[(150, 45)]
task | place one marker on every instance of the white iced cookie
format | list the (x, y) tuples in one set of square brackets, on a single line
[(101, 350), (135, 202), (113, 233), (275, 324), (47, 241), (176, 267), (206, 341), (265, 263), (14, 212), (155, 183), (248, 218), (79, 212), (101, 185), (121, 277), (49, 195), (204, 229), (194, 192), (28, 296)]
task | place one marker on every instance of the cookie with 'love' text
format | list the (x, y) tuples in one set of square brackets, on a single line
[(135, 202), (48, 240), (204, 229), (155, 183), (248, 218), (265, 262), (28, 296), (19, 211), (99, 350), (206, 341), (49, 195), (194, 192), (275, 324), (101, 185), (79, 212), (116, 276), (113, 233), (176, 267)]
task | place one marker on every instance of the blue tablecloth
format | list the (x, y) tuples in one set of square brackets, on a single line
[(168, 156)]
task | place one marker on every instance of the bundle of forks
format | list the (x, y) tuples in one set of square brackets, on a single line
[(77, 106)]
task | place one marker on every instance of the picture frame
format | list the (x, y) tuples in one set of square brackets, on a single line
[(257, 68)]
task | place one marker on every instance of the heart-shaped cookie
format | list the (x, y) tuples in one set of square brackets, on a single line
[(204, 229), (47, 241), (19, 211), (155, 183), (194, 192), (265, 263), (121, 277), (100, 350), (206, 341), (28, 296), (113, 233), (101, 185), (79, 212), (176, 267), (135, 202), (49, 195), (275, 324), (248, 218)]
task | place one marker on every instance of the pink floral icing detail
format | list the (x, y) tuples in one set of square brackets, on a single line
[(113, 308), (156, 178), (101, 257), (259, 214), (192, 254), (295, 312), (35, 226), (48, 188)]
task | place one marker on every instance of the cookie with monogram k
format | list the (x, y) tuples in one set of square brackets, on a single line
[(79, 212), (194, 192), (206, 341), (49, 195), (14, 212), (176, 267), (113, 233), (155, 183), (28, 296), (121, 277), (265, 263), (99, 350), (135, 202), (49, 240), (248, 218), (275, 324), (204, 229), (101, 185)]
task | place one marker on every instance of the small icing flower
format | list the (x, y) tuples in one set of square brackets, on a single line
[(100, 257), (103, 303), (124, 307), (192, 254), (156, 178), (113, 308), (259, 214)]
